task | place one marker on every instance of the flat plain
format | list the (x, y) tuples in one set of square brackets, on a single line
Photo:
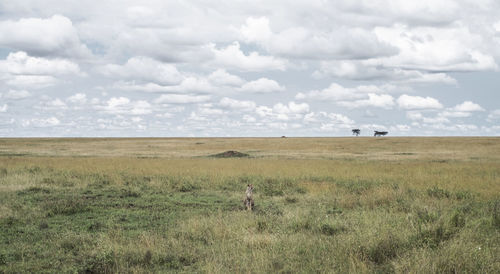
[(141, 205)]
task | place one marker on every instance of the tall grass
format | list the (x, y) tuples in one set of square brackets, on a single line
[(122, 213)]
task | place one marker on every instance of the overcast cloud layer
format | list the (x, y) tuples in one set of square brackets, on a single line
[(227, 68)]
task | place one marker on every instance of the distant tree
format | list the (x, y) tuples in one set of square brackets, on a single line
[(356, 131), (380, 133)]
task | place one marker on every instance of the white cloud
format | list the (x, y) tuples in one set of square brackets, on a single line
[(467, 106), (336, 92), (402, 128), (256, 30), (291, 108), (417, 102), (23, 71), (462, 110), (218, 60), (232, 57), (368, 70), (435, 49), (123, 105), (264, 111), (361, 96), (494, 115), (145, 70), (417, 116), (141, 107), (181, 99), (17, 94), (262, 85), (374, 100), (56, 104), (188, 84), (54, 36), (19, 63), (4, 108), (237, 104), (282, 112), (496, 26), (331, 118), (78, 98), (455, 114), (307, 43), (221, 78), (31, 81), (40, 122), (249, 119)]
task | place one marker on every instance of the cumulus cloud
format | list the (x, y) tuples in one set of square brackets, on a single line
[(41, 122), (23, 71), (417, 102), (329, 118), (31, 81), (221, 77), (144, 69), (418, 116), (339, 93), (367, 70), (261, 85), (236, 69), (357, 97), (181, 99), (304, 43), (374, 100), (17, 94), (188, 84), (232, 57), (494, 115), (283, 112), (292, 108), (78, 98), (462, 110), (123, 105), (55, 36), (467, 106), (240, 105), (19, 63), (435, 49)]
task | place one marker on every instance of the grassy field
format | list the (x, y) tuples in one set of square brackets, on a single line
[(340, 205)]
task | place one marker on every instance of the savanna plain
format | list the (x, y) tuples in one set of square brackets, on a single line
[(328, 205)]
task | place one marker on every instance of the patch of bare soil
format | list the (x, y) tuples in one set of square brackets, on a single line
[(230, 154)]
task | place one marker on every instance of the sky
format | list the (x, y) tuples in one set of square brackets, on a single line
[(129, 68)]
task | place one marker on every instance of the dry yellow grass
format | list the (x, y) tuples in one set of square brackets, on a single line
[(323, 204), (392, 148)]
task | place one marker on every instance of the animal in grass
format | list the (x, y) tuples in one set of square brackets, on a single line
[(249, 203), (356, 131), (380, 133)]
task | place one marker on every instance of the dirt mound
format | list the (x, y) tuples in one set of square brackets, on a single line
[(230, 154)]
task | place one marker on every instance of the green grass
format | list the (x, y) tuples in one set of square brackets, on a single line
[(389, 212)]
